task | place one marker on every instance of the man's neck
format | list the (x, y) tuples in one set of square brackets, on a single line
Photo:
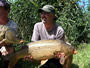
[(49, 26), (3, 21)]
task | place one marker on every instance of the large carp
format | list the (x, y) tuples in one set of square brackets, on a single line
[(9, 35), (41, 50)]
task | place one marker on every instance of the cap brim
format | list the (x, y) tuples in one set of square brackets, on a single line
[(41, 9)]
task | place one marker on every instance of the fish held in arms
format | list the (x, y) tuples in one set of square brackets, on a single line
[(41, 50), (9, 35)]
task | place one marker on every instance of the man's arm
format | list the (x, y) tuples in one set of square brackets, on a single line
[(35, 35), (68, 62)]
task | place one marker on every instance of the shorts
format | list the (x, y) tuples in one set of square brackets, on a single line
[(52, 63)]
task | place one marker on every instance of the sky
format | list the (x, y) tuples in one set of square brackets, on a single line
[(83, 4)]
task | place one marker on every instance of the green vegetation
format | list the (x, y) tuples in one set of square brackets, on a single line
[(69, 16), (82, 58)]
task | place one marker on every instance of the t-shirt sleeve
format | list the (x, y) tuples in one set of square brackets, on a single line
[(12, 24), (35, 35), (60, 34)]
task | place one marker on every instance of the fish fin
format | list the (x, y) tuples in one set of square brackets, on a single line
[(21, 41), (62, 59), (2, 41), (12, 63), (74, 51), (43, 61)]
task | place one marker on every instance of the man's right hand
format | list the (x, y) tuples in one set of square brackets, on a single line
[(28, 58)]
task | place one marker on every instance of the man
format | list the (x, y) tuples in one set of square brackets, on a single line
[(47, 29), (4, 20)]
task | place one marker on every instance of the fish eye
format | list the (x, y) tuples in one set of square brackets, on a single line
[(16, 35)]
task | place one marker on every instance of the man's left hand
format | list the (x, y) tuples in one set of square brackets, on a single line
[(3, 51)]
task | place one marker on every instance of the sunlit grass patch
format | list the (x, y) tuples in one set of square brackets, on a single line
[(82, 58)]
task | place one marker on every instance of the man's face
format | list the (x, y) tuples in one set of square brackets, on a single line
[(47, 16), (3, 11)]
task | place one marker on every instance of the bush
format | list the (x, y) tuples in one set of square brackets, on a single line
[(68, 13)]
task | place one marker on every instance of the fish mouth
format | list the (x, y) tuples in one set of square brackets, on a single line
[(74, 51), (21, 41)]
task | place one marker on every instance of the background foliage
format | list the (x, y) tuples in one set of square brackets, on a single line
[(69, 16)]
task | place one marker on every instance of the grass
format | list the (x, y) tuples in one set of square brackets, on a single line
[(80, 60)]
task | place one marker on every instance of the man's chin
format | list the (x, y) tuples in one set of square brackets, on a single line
[(43, 21)]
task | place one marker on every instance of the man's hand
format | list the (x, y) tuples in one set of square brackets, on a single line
[(28, 58), (61, 56), (6, 50), (3, 51)]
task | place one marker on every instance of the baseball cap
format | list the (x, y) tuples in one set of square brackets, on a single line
[(5, 4), (47, 8)]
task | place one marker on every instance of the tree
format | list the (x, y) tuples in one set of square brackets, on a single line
[(69, 16)]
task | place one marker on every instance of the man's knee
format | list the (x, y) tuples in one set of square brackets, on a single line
[(68, 62)]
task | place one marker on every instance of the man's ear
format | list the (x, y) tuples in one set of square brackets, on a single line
[(8, 10)]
